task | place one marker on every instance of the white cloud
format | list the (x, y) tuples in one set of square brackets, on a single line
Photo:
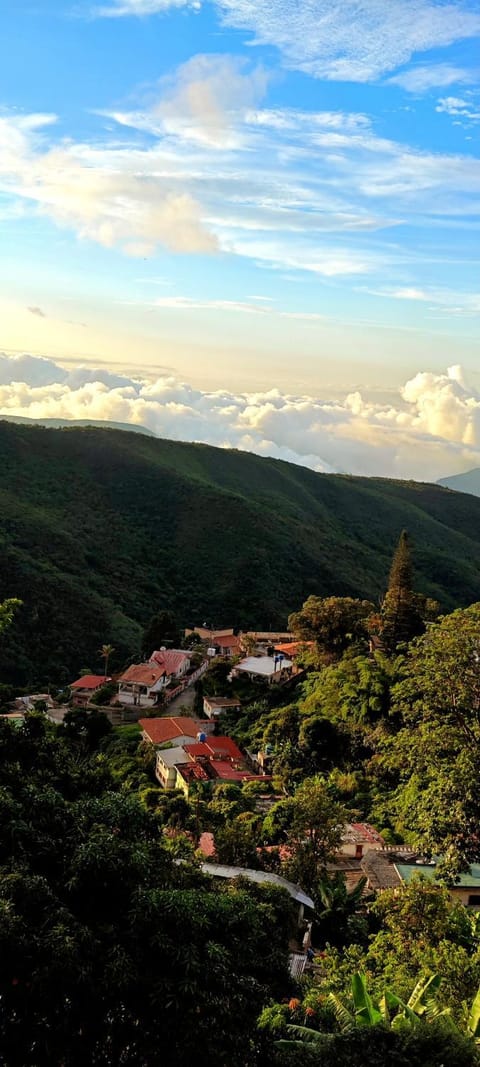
[(429, 429), (185, 303), (204, 102), (207, 169), (31, 370), (141, 7), (349, 41), (99, 193), (456, 106), (451, 301), (207, 96), (420, 79), (343, 40)]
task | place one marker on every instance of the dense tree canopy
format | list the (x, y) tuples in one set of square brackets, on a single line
[(438, 702), (109, 951), (333, 622)]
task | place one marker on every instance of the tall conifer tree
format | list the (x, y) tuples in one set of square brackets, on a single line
[(401, 571), (401, 619)]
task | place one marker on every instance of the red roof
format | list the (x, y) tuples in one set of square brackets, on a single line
[(143, 674), (190, 771), (294, 647), (207, 843), (228, 641), (224, 769), (215, 748), (368, 833), (161, 730), (170, 660), (90, 681)]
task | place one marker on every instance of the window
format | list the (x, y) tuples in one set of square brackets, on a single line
[(474, 898)]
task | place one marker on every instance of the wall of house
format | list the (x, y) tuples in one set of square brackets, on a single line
[(180, 783), (165, 775), (140, 700), (463, 896)]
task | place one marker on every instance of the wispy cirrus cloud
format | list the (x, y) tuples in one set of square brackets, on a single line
[(138, 8), (259, 305), (429, 428), (340, 40), (420, 79), (198, 170), (451, 301)]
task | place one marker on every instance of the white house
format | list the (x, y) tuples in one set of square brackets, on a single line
[(271, 669), (175, 661), (142, 684), (167, 761), (213, 706)]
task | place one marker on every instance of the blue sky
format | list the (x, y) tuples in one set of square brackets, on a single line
[(249, 197)]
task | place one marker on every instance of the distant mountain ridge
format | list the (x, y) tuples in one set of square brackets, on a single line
[(100, 529), (463, 483), (61, 424)]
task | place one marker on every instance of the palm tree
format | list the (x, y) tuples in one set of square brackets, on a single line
[(105, 652), (338, 909)]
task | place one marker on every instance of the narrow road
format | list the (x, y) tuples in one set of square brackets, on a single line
[(183, 704)]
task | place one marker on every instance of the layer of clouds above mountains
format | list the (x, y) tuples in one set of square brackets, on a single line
[(429, 429)]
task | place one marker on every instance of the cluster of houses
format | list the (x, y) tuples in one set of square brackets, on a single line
[(271, 658), (187, 752)]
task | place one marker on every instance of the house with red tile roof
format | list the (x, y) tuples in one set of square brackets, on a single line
[(195, 758), (227, 645), (211, 770), (143, 683), (174, 661), (215, 748), (294, 648), (358, 838), (84, 688), (178, 730)]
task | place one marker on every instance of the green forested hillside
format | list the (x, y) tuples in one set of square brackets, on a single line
[(100, 529)]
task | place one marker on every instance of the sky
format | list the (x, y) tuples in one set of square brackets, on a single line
[(248, 222)]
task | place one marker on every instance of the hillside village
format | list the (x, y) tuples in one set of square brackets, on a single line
[(193, 751), (310, 763)]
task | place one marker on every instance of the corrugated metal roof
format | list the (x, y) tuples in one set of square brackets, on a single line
[(220, 870), (468, 880)]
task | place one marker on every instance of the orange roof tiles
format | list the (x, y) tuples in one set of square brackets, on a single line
[(228, 641), (170, 660), (143, 674), (161, 730), (90, 681), (215, 748), (225, 770), (294, 647)]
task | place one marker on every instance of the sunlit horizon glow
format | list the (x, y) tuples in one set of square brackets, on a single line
[(247, 200)]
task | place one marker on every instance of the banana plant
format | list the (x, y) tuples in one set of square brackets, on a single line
[(473, 1018), (390, 1010)]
